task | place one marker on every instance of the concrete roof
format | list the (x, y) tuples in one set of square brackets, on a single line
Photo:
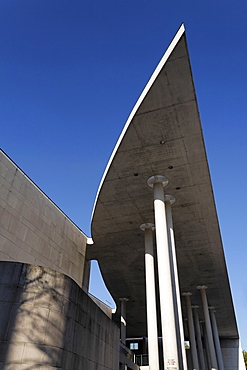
[(162, 136)]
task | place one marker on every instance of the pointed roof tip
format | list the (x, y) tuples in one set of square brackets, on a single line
[(182, 27), (162, 62), (178, 34)]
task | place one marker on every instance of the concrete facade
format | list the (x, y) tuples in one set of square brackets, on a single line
[(34, 230), (49, 322), (232, 354), (163, 137)]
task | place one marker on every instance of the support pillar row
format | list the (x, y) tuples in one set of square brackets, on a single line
[(213, 359), (199, 338), (216, 339), (191, 332), (153, 352), (169, 200), (168, 324)]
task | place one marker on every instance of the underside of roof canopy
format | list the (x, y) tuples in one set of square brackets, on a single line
[(162, 136)]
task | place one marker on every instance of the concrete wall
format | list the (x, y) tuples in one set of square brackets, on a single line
[(48, 322), (106, 309), (33, 229), (232, 354)]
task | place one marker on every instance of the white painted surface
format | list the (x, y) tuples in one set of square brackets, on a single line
[(208, 327), (216, 340), (153, 351), (168, 323), (199, 338), (169, 200), (191, 332)]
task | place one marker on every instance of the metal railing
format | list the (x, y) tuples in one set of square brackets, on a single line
[(141, 360)]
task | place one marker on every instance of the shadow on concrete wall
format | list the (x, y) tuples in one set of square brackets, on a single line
[(48, 322), (33, 321)]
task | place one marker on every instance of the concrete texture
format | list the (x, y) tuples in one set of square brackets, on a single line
[(49, 322), (162, 136), (232, 354), (106, 309), (34, 230)]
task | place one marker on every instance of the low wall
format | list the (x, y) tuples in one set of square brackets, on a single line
[(232, 354), (33, 229), (48, 322)]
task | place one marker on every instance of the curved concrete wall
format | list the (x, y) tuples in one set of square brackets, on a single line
[(49, 322), (33, 229)]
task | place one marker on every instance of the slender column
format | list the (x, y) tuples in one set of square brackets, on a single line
[(153, 351), (199, 338), (207, 354), (216, 339), (213, 359), (168, 323), (123, 320), (169, 200), (191, 332)]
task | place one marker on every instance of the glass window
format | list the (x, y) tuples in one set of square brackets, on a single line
[(133, 346)]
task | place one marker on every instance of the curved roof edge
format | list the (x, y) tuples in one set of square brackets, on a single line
[(155, 74)]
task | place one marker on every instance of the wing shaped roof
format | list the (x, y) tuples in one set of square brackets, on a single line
[(162, 136)]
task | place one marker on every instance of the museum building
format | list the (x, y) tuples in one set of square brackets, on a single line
[(155, 235)]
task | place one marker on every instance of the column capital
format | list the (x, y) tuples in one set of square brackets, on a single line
[(123, 299), (195, 306), (187, 294), (212, 308), (147, 226), (156, 180), (201, 287), (170, 198)]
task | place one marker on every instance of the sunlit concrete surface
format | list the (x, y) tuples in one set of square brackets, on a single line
[(49, 322), (33, 229), (47, 319), (163, 136)]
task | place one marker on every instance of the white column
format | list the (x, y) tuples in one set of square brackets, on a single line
[(199, 338), (216, 339), (191, 332), (204, 334), (213, 359), (169, 200), (153, 351), (168, 324), (123, 320)]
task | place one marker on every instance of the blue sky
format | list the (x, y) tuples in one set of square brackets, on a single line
[(70, 73)]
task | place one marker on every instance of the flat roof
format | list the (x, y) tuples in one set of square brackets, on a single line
[(162, 136)]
